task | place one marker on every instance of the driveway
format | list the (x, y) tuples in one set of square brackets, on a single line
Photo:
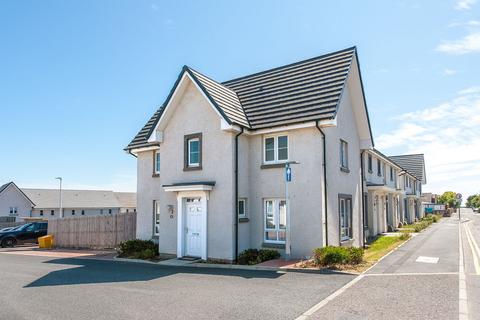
[(35, 287)]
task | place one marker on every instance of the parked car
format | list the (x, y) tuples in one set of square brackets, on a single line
[(27, 233)]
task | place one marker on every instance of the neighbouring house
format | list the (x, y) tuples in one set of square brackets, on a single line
[(79, 202), (211, 161), (383, 193), (430, 203), (15, 205), (413, 179)]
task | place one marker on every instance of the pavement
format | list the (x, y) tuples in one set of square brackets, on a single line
[(420, 280), (435, 275)]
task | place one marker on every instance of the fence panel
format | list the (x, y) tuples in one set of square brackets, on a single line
[(96, 232)]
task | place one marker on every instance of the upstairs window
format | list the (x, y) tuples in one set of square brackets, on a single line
[(275, 149), (52, 212), (343, 154), (391, 174), (83, 212), (379, 168), (156, 162), (73, 212), (370, 163), (192, 152), (41, 212)]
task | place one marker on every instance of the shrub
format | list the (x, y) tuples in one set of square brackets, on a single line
[(328, 256), (268, 254), (138, 249), (404, 236), (254, 256), (355, 255)]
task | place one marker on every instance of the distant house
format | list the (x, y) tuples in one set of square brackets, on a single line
[(79, 202), (14, 204)]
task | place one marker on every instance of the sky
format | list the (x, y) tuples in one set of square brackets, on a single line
[(78, 79)]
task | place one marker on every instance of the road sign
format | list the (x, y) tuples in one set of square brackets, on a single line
[(459, 196), (288, 174)]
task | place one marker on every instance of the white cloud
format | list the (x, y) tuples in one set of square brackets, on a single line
[(449, 136), (464, 4), (468, 44), (448, 72), (471, 23)]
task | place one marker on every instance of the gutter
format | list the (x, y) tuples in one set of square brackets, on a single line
[(363, 196), (325, 192), (235, 215)]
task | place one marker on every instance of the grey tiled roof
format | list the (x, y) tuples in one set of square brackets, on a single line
[(413, 163), (305, 91), (50, 198), (3, 187)]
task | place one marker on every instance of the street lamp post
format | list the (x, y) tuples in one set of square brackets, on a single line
[(61, 204), (288, 236)]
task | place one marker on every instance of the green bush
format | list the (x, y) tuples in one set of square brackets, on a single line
[(328, 256), (138, 249), (404, 236), (254, 256), (355, 255)]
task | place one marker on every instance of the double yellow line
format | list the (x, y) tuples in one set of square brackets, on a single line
[(473, 246)]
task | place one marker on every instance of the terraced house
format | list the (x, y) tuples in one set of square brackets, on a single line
[(211, 161)]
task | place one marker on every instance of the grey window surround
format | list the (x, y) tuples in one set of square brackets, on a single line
[(186, 140), (346, 197)]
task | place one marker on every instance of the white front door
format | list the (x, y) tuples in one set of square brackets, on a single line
[(193, 228)]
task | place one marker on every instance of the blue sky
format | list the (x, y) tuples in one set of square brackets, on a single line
[(78, 79)]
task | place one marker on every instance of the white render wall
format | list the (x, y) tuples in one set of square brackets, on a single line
[(11, 197), (339, 182)]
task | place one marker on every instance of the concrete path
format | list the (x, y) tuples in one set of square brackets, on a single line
[(420, 280)]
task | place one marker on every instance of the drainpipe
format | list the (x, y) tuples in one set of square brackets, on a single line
[(236, 194), (363, 197), (325, 193)]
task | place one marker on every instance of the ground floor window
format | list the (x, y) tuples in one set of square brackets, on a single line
[(156, 217), (275, 212), (345, 212), (242, 211)]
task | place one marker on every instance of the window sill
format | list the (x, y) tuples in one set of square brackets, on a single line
[(155, 175), (192, 168), (272, 165), (243, 220), (346, 242), (155, 237), (273, 245), (343, 169)]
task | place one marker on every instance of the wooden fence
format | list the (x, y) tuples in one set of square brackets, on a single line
[(95, 232)]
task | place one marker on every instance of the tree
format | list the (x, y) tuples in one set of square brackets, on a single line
[(473, 201), (449, 198)]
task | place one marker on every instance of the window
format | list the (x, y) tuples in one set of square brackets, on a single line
[(73, 212), (391, 174), (41, 212), (156, 217), (275, 220), (13, 210), (52, 212), (345, 212), (101, 211), (242, 208), (275, 149), (135, 210), (370, 165), (343, 154), (379, 168), (156, 162), (192, 152), (127, 210), (109, 211), (83, 212)]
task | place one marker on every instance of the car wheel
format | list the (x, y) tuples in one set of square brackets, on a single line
[(9, 242)]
